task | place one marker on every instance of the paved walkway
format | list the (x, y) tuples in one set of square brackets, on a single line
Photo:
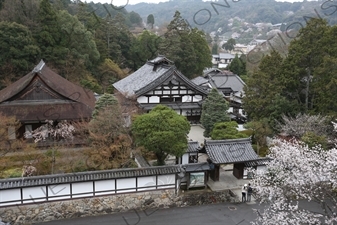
[(197, 134), (228, 181)]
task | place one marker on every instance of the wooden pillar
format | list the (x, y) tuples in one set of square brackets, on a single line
[(215, 174), (238, 170)]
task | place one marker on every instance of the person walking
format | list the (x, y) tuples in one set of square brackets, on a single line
[(244, 192), (249, 193)]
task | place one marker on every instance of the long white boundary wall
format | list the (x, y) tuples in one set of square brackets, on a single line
[(71, 190)]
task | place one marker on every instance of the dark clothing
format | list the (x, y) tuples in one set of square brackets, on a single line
[(249, 193), (243, 196)]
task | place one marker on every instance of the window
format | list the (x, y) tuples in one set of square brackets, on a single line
[(178, 99), (165, 100)]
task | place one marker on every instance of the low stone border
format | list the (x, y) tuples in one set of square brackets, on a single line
[(41, 212)]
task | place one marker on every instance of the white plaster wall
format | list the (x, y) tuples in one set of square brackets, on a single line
[(187, 98), (144, 183), (83, 187), (166, 179), (10, 195), (57, 190), (185, 158), (32, 193), (108, 186), (154, 99), (126, 183), (142, 99), (197, 98)]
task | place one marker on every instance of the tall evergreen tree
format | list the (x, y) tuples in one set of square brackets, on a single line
[(150, 20), (214, 110), (49, 35), (306, 53), (187, 47), (237, 66), (263, 97), (18, 52)]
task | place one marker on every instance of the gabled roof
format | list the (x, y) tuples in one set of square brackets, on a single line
[(152, 74), (212, 71), (54, 81), (193, 146), (199, 80), (226, 80), (230, 151)]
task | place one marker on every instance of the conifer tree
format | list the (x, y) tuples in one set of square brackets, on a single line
[(214, 110)]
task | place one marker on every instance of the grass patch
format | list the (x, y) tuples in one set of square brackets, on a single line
[(11, 173)]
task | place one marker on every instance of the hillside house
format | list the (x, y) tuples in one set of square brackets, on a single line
[(222, 60), (159, 82)]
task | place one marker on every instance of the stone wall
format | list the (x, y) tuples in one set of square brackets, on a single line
[(40, 212)]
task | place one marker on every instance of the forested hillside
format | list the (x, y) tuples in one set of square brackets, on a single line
[(93, 45), (210, 16)]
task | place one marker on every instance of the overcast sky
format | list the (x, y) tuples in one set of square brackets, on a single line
[(133, 2)]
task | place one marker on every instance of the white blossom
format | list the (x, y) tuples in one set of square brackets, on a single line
[(63, 130), (297, 173)]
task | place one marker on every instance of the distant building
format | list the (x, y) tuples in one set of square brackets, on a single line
[(222, 60), (257, 42)]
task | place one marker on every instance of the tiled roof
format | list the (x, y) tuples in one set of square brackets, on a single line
[(57, 83), (260, 162), (196, 167), (143, 77), (227, 81), (151, 75), (199, 80), (230, 151), (193, 146), (87, 176)]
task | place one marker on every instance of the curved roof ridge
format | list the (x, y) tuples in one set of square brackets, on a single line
[(191, 83), (228, 141), (54, 81)]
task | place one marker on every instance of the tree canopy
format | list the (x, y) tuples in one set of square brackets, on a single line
[(237, 66), (229, 45), (150, 20), (226, 130), (301, 82), (186, 46), (214, 110), (109, 136), (19, 52), (161, 131)]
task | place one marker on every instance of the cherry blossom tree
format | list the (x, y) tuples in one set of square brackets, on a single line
[(301, 124), (62, 130), (298, 173)]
